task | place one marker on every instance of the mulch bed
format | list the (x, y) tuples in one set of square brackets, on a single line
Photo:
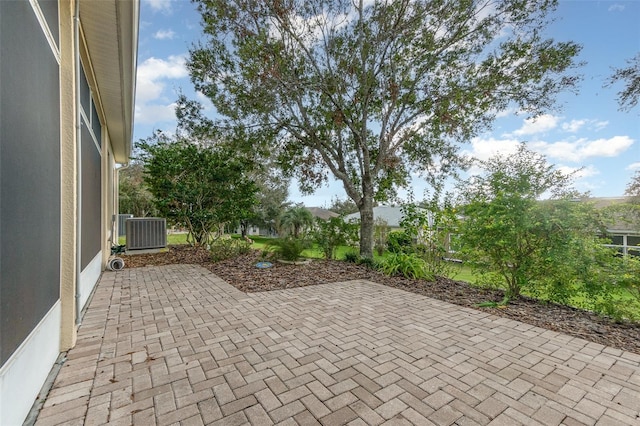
[(242, 273)]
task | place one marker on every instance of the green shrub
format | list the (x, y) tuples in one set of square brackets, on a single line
[(629, 275), (351, 257), (611, 285), (398, 242), (369, 262), (225, 248), (429, 228), (489, 280), (434, 253), (380, 235), (288, 248), (408, 265), (332, 233)]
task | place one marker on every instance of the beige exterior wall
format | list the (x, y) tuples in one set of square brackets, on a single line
[(108, 203), (69, 172), (69, 176), (69, 161), (111, 34)]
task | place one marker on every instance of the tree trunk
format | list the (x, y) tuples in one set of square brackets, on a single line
[(366, 226), (243, 228)]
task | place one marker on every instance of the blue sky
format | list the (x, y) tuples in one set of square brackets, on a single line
[(589, 132)]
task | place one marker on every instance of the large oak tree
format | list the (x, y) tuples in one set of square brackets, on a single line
[(372, 91)]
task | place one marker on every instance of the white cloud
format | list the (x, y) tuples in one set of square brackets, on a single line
[(574, 151), (201, 96), (164, 34), (505, 113), (159, 5), (154, 114), (152, 73), (581, 149), (148, 90), (616, 7), (483, 149), (580, 173), (633, 166), (153, 100), (204, 101), (539, 124), (573, 126), (172, 67), (599, 125)]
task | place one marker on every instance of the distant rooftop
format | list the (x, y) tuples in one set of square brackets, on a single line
[(391, 215), (321, 213)]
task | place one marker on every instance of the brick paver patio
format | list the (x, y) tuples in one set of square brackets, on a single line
[(177, 345)]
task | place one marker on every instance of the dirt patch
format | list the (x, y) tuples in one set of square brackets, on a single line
[(242, 273)]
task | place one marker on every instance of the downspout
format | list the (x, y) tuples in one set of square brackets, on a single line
[(116, 235), (76, 42)]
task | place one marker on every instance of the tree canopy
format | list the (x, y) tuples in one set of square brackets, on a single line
[(198, 187), (134, 197), (343, 207), (371, 91), (630, 76), (271, 199), (633, 187)]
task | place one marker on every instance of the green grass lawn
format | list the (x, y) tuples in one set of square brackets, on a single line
[(172, 239), (175, 239), (462, 272)]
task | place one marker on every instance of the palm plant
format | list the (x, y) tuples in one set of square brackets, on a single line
[(296, 219)]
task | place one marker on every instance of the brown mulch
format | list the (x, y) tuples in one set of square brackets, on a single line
[(242, 273)]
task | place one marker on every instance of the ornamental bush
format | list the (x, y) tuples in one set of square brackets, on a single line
[(332, 233), (408, 265), (398, 242), (288, 248), (226, 248)]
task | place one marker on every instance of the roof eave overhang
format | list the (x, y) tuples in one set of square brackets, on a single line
[(110, 29)]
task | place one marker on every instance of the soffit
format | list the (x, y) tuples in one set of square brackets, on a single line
[(110, 30)]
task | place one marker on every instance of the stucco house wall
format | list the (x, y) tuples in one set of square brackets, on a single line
[(67, 79)]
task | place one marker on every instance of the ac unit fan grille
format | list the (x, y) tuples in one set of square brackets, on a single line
[(146, 233)]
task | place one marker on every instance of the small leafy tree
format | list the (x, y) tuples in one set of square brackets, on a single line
[(200, 188), (296, 220), (272, 186), (332, 233), (623, 215), (430, 228), (271, 199), (606, 282), (628, 277), (134, 197), (507, 229)]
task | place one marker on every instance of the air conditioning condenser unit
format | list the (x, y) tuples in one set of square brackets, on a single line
[(146, 233)]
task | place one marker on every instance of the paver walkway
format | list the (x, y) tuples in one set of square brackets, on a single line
[(177, 345)]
